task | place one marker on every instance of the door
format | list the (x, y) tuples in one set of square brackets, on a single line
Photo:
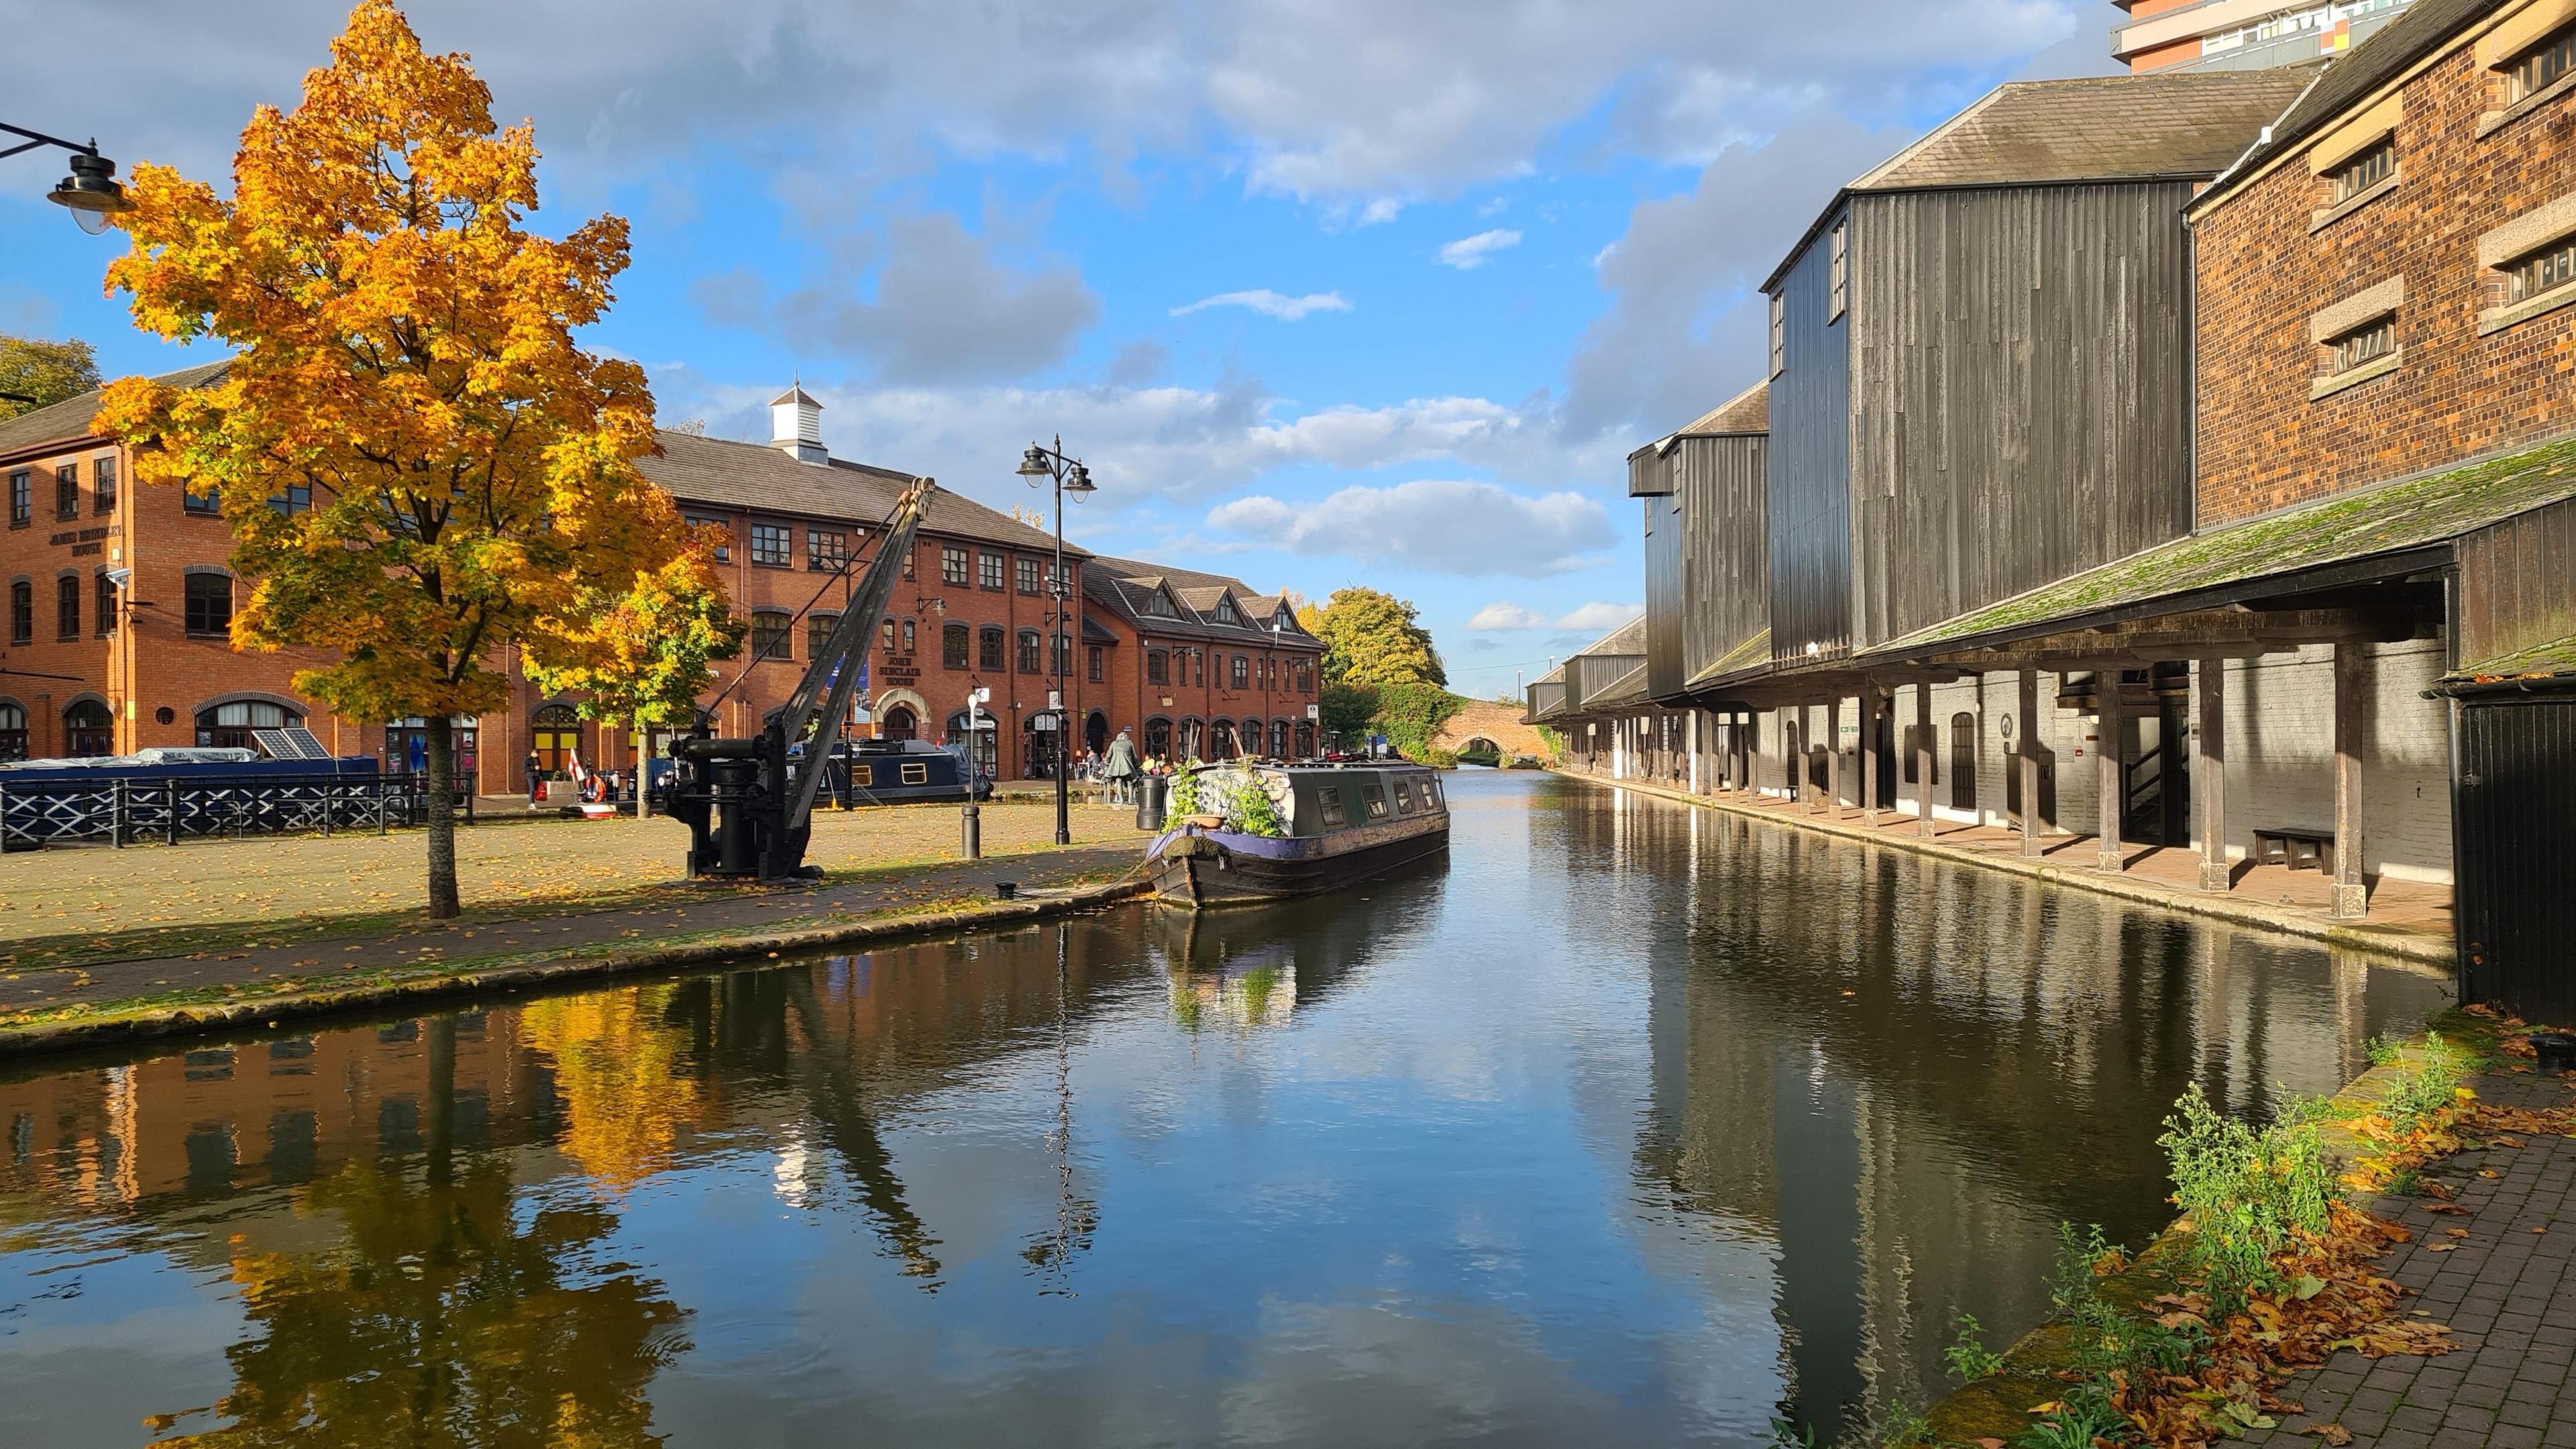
[(1963, 762), (554, 734), (2512, 801), (898, 724)]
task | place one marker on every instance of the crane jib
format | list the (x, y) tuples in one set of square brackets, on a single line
[(833, 673)]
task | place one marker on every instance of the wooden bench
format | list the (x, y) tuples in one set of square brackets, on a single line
[(2295, 847)]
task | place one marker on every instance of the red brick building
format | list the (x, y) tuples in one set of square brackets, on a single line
[(91, 668), (2386, 286), (1197, 663)]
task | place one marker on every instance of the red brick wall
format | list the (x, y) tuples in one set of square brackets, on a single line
[(1206, 692), (2262, 444)]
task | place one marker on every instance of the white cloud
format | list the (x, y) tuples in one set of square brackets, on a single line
[(1271, 304), (1502, 616), (1470, 252), (1439, 525)]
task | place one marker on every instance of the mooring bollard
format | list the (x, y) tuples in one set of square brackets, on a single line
[(970, 830)]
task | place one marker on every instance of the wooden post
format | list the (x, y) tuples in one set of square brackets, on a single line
[(1923, 821), (2351, 898), (1834, 755), (2209, 772), (1869, 703), (2111, 785), (2026, 760)]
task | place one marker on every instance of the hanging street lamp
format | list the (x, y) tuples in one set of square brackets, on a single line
[(90, 192)]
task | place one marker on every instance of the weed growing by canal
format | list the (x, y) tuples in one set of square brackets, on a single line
[(1968, 1357), (2254, 1196)]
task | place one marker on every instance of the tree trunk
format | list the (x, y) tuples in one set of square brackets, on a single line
[(442, 817)]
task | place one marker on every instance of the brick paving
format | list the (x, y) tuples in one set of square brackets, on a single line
[(2507, 1289)]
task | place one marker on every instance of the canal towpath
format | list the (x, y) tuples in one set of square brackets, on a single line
[(270, 963)]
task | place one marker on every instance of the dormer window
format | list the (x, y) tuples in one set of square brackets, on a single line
[(1283, 620), (1159, 604), (2366, 169), (1226, 612)]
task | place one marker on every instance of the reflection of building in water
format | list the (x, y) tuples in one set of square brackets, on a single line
[(1905, 1084)]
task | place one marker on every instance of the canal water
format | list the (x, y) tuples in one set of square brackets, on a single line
[(1632, 1123)]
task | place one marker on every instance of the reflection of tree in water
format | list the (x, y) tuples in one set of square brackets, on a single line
[(615, 1067), (439, 1319)]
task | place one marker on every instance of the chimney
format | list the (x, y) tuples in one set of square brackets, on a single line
[(796, 426)]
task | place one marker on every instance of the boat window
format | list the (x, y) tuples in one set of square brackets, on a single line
[(1403, 799), (863, 776), (1430, 794), (1328, 804), (1375, 800), (916, 774)]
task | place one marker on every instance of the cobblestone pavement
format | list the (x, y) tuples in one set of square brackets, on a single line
[(2506, 1288)]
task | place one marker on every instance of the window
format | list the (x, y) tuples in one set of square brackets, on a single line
[(773, 545), (22, 612), (2542, 271), (104, 595), (988, 570), (1158, 667), (1838, 281), (720, 536), (1403, 798), (887, 627), (2539, 68), (818, 634), (1305, 679), (1328, 805), (1028, 575), (1430, 794), (1029, 662), (952, 565), (1093, 666), (204, 505), (1060, 658), (102, 484), (67, 490), (1198, 667), (2373, 165), (89, 728), (1225, 610), (956, 645), (1159, 604), (771, 633), (988, 650), (907, 636), (295, 498), (2367, 343), (1242, 671), (1158, 739), (826, 549), (907, 565), (67, 592), (13, 731), (229, 726), (1375, 802), (22, 498)]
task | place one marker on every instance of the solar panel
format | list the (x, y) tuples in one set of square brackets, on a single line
[(294, 742)]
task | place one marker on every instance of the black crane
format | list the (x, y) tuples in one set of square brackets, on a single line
[(749, 803)]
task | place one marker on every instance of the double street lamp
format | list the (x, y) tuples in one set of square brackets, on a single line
[(91, 191), (1070, 476)]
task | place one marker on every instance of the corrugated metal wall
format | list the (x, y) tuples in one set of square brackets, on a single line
[(2514, 806), (2018, 391), (1808, 469)]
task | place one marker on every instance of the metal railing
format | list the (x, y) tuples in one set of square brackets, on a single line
[(121, 810)]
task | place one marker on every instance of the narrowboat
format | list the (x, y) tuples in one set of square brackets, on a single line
[(1325, 826)]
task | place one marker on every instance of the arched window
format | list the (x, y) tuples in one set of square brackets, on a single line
[(1279, 739), (1193, 745), (956, 646), (818, 633), (899, 723), (988, 650), (210, 603), (90, 729), (1221, 740), (1038, 738), (1305, 740), (976, 737), (1158, 738), (13, 730), (772, 635), (1963, 761), (229, 726), (554, 736), (1029, 648)]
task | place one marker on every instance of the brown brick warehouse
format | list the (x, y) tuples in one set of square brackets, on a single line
[(2176, 472), (89, 668)]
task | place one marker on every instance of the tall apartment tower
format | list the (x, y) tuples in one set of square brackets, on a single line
[(2242, 34)]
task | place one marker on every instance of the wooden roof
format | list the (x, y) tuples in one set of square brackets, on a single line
[(73, 419)]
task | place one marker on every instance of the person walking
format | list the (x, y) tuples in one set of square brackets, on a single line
[(1119, 765), (536, 771)]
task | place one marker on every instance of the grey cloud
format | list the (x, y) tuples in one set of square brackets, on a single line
[(945, 311), (1439, 525), (1138, 362)]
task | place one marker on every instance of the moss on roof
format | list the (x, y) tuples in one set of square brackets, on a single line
[(1754, 649), (2407, 514), (2540, 661)]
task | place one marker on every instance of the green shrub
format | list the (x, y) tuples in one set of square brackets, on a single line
[(1969, 1358), (2249, 1193), (1249, 809), (1184, 799), (2082, 1416), (2425, 1084)]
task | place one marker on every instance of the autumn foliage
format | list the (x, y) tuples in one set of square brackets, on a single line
[(404, 359)]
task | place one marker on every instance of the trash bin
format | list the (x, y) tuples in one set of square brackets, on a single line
[(1150, 793)]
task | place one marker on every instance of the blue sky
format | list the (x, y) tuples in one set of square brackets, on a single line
[(1326, 291)]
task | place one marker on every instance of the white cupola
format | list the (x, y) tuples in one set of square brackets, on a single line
[(796, 426)]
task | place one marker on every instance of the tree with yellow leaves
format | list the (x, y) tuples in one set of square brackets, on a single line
[(419, 465), (642, 658)]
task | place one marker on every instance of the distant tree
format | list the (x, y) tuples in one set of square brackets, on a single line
[(35, 373), (1371, 638), (405, 365), (640, 659)]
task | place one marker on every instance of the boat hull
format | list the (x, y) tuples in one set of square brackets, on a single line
[(1201, 869)]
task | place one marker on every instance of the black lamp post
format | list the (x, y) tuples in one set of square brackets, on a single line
[(1070, 477), (90, 191)]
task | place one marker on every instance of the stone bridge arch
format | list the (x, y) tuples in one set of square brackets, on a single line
[(1483, 719)]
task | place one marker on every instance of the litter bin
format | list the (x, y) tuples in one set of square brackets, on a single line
[(1150, 793)]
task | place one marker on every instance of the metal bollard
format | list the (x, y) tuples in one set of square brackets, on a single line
[(970, 830)]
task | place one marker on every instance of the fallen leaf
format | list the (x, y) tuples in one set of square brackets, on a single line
[(2441, 1247), (2335, 1434)]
